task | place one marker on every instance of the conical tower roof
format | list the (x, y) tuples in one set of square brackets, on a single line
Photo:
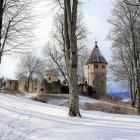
[(96, 56)]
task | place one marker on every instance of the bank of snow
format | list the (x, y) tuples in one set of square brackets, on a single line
[(24, 119), (61, 99)]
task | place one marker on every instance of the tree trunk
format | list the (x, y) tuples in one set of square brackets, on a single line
[(73, 95), (134, 98), (1, 15), (66, 40), (70, 18), (136, 61), (139, 102), (132, 95)]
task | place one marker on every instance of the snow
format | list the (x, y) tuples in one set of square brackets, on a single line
[(24, 119), (64, 102), (126, 100), (59, 102)]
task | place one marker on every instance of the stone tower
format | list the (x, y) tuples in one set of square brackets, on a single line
[(97, 70)]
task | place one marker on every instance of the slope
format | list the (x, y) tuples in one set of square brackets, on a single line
[(23, 119)]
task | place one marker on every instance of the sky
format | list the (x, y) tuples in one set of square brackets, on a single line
[(96, 13)]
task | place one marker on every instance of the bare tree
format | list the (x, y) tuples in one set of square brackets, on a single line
[(56, 56), (29, 68), (70, 52), (122, 67), (126, 49), (55, 49), (69, 8), (83, 54), (129, 2), (58, 30), (15, 26)]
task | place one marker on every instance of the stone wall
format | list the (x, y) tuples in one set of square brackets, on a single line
[(23, 85), (12, 84), (50, 88), (34, 86), (97, 79)]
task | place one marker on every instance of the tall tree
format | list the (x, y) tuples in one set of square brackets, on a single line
[(15, 26), (126, 49), (70, 51), (70, 48)]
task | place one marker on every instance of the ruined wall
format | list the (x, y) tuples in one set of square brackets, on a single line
[(49, 88), (12, 84), (32, 86), (22, 86)]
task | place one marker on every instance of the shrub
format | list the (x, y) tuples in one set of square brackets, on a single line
[(110, 108)]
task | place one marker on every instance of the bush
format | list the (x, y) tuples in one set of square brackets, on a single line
[(110, 108), (44, 98)]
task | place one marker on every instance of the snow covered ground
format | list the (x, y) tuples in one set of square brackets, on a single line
[(24, 119), (65, 102)]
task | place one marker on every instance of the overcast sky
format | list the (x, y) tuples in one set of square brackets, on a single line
[(96, 13)]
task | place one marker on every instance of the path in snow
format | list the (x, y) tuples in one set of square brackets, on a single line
[(23, 119)]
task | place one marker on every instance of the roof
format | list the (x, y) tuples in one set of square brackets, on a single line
[(96, 56), (51, 71)]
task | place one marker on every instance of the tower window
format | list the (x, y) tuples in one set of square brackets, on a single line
[(103, 66), (49, 78), (96, 66), (93, 82)]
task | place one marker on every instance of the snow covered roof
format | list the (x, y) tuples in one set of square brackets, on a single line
[(96, 56)]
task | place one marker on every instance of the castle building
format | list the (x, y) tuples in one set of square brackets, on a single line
[(51, 76), (97, 70), (50, 83)]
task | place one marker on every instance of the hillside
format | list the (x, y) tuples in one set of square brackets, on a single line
[(120, 95), (24, 119)]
